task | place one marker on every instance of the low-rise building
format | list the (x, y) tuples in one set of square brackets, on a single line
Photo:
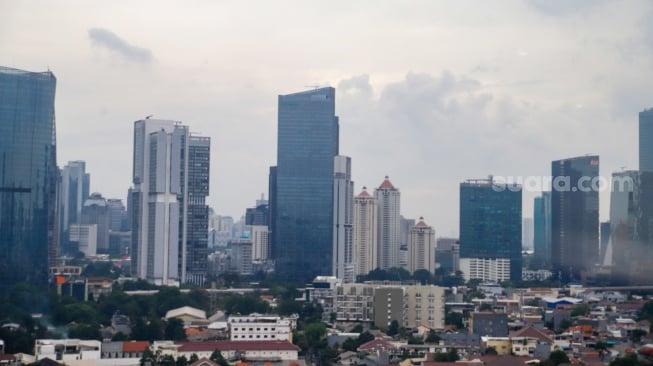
[(260, 328), (67, 349)]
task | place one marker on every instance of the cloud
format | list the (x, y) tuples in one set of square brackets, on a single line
[(106, 38)]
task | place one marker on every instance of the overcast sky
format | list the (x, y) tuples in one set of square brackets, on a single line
[(430, 93)]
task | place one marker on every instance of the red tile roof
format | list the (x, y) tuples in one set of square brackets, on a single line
[(376, 344), (364, 193), (421, 223), (386, 184), (237, 345), (531, 332), (135, 346)]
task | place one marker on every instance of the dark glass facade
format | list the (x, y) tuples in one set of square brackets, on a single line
[(542, 230), (574, 216), (198, 212), (490, 223), (28, 176), (646, 140), (307, 143)]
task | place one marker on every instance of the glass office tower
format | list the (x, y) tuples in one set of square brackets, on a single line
[(490, 222), (574, 216), (28, 176), (306, 147)]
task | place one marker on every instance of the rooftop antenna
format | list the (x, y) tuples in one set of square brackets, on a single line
[(148, 117)]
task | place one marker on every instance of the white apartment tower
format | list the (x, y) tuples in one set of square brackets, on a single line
[(170, 177), (343, 196), (389, 224), (365, 233), (421, 247)]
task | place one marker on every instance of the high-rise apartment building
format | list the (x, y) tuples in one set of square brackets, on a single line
[(646, 140), (574, 216), (365, 233), (542, 229), (116, 214), (447, 255), (421, 248), (28, 176), (490, 223), (343, 207), (170, 223), (302, 203), (389, 224), (73, 192)]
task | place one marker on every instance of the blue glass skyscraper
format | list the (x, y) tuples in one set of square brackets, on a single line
[(490, 222), (306, 146), (28, 176)]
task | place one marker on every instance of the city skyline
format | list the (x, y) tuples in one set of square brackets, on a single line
[(529, 90)]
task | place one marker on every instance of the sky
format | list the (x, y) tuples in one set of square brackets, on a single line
[(430, 93)]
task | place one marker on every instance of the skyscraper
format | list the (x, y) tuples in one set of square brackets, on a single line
[(28, 176), (365, 233), (490, 223), (421, 248), (646, 140), (542, 229), (96, 212), (574, 216), (303, 201), (170, 222), (389, 224), (343, 207), (73, 191)]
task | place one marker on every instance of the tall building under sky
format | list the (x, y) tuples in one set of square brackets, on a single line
[(490, 223), (421, 247), (542, 229), (170, 222), (365, 233), (574, 216), (302, 204), (28, 176), (343, 206), (646, 140), (389, 224), (73, 192)]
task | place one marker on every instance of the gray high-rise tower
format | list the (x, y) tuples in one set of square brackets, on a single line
[(170, 217), (28, 176), (343, 207), (302, 205), (73, 192), (646, 140)]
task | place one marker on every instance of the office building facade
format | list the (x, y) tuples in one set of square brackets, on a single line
[(28, 176), (542, 229), (170, 217), (302, 202), (73, 190), (96, 212), (343, 207), (389, 224), (646, 140), (490, 223), (574, 216)]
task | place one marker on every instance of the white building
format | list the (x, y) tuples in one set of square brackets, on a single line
[(343, 194), (365, 233), (389, 224), (85, 235), (170, 187), (485, 269), (260, 328), (421, 247), (241, 256), (260, 236), (67, 349)]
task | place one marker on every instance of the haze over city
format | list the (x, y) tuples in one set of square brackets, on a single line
[(428, 93)]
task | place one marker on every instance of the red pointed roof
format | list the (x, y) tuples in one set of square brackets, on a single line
[(386, 184), (364, 193), (421, 223)]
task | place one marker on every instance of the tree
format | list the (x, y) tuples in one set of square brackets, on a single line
[(454, 318), (491, 350), (217, 357), (414, 340), (449, 356), (558, 357), (485, 307), (182, 361), (85, 331), (580, 310), (423, 276), (393, 329), (432, 337), (175, 330), (357, 329), (193, 358)]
